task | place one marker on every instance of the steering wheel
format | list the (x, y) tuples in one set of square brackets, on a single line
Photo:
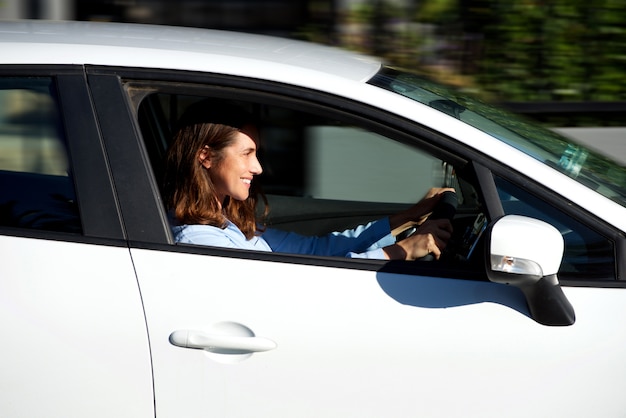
[(444, 209)]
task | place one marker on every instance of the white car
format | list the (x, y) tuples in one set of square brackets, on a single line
[(103, 315)]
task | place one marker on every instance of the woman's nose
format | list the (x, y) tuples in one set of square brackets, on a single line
[(256, 168)]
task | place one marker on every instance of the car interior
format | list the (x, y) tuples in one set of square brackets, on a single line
[(323, 174)]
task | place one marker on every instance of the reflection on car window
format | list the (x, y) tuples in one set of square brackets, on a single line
[(36, 190), (349, 163), (587, 253)]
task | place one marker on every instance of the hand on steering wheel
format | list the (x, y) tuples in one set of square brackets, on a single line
[(428, 241)]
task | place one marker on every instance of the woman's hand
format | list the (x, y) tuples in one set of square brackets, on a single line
[(418, 213), (430, 238)]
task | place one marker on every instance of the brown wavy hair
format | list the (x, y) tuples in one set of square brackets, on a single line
[(188, 190)]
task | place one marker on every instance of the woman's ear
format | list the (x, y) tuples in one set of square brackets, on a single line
[(204, 156)]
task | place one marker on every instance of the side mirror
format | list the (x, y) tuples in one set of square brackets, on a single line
[(526, 253)]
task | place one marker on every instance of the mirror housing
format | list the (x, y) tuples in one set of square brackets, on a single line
[(526, 253)]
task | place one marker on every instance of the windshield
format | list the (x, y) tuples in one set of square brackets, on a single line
[(586, 166)]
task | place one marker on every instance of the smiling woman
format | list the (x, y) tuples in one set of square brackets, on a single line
[(210, 166), (209, 179), (232, 168)]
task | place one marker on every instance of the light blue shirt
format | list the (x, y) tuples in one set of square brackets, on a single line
[(366, 241)]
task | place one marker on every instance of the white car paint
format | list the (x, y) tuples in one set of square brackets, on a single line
[(546, 254), (449, 348), (75, 341)]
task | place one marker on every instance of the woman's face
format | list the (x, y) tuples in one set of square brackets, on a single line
[(232, 175)]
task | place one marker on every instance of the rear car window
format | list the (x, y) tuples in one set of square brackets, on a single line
[(36, 188)]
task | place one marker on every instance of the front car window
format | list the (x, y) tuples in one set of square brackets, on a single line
[(321, 173), (578, 162)]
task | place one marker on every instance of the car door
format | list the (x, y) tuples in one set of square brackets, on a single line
[(75, 342), (240, 333)]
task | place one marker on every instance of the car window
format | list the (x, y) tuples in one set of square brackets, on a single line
[(327, 171), (320, 174), (588, 254), (36, 190)]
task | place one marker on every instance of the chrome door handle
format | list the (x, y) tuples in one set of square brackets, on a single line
[(221, 344)]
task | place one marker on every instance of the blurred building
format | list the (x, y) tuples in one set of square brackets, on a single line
[(248, 15), (37, 9), (268, 16)]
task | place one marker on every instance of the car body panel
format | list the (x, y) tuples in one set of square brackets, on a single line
[(416, 346), (188, 48), (75, 342)]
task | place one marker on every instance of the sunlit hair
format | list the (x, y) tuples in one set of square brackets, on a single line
[(189, 191)]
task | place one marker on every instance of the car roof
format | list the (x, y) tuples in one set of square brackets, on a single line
[(150, 46)]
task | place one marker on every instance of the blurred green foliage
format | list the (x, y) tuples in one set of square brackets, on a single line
[(501, 50), (555, 50)]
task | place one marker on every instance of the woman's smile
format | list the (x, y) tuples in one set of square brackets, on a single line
[(234, 172)]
